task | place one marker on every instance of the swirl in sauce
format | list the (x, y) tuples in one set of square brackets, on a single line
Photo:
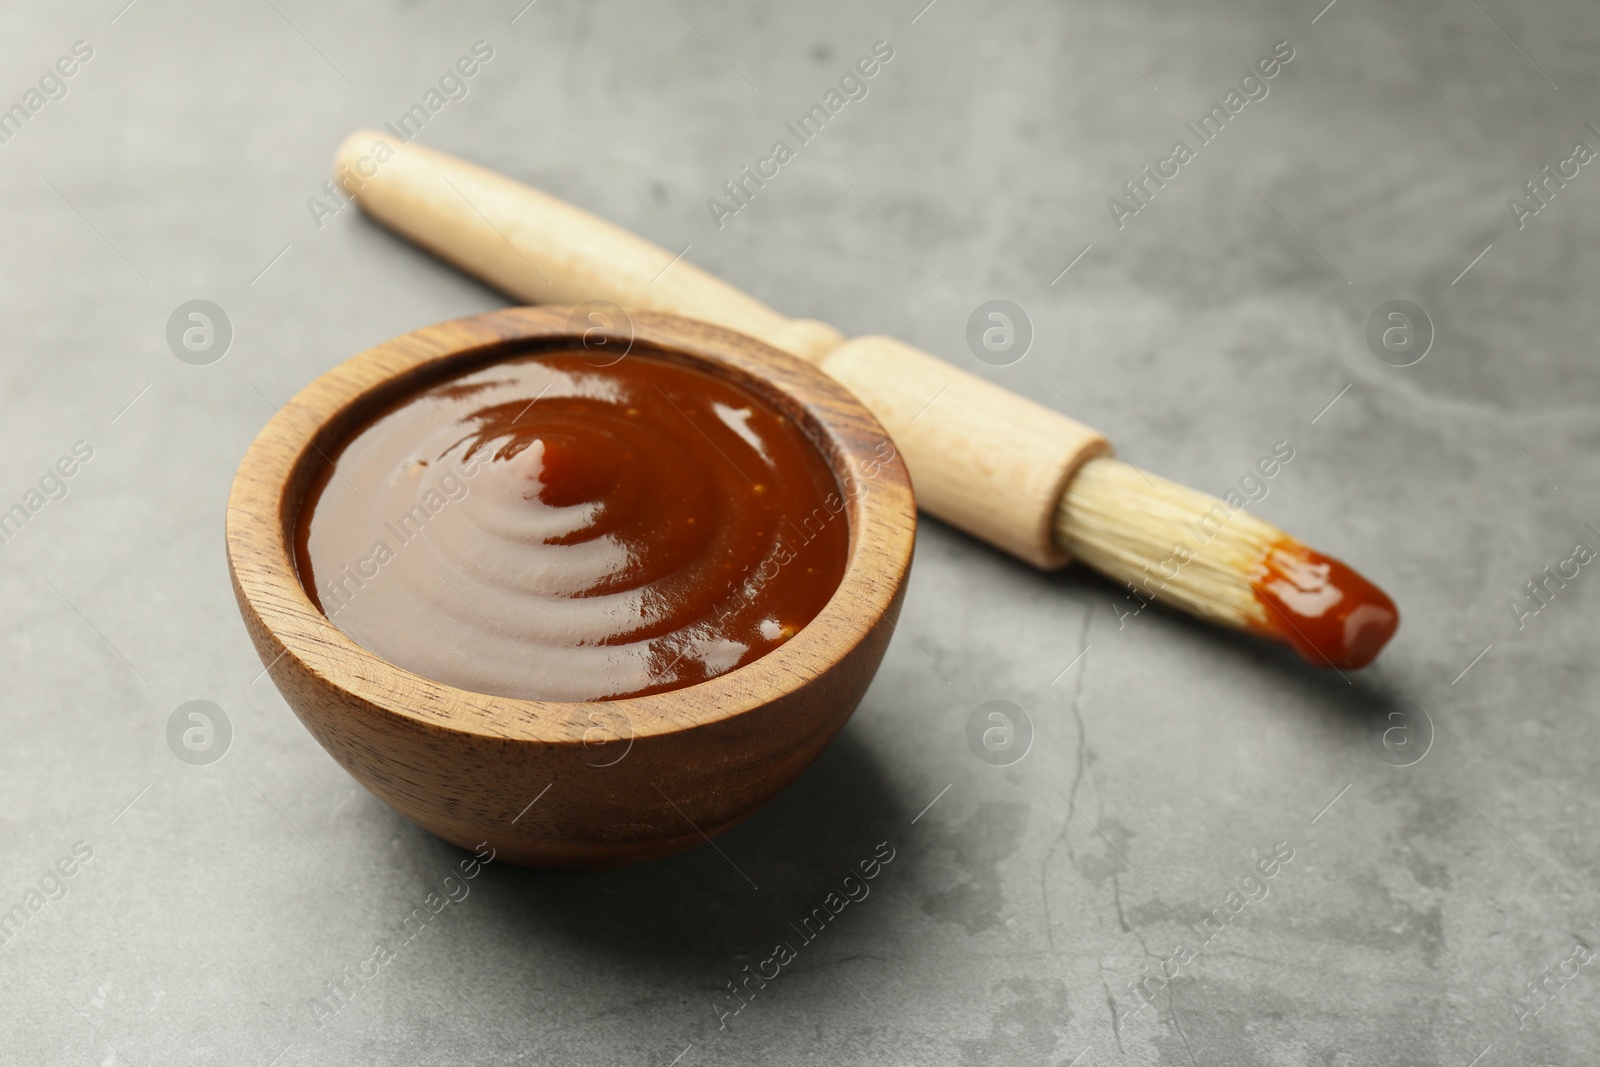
[(549, 529)]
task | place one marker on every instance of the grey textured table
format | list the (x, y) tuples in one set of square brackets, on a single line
[(1071, 908)]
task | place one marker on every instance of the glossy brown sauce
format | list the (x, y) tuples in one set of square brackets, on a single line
[(551, 529), (1327, 612)]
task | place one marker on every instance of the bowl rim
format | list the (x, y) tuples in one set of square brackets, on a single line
[(272, 478)]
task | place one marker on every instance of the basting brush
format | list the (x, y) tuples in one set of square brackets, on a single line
[(1019, 475)]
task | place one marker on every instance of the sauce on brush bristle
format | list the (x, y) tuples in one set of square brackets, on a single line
[(1324, 610)]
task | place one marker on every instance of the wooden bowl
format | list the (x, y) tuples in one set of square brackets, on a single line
[(553, 784)]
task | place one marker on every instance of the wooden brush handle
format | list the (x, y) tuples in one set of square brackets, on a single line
[(981, 458)]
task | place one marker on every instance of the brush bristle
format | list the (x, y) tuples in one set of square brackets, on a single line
[(1166, 542), (1189, 550)]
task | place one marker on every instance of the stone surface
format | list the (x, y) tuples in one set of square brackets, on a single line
[(1020, 909)]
